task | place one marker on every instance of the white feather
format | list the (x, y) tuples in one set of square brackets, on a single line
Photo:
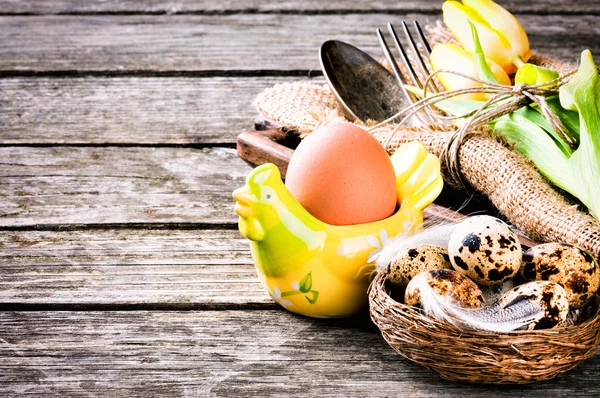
[(438, 235), (494, 318)]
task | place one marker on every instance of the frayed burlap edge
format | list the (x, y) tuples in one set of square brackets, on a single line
[(300, 106), (509, 180)]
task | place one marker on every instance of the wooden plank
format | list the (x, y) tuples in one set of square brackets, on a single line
[(40, 7), (89, 187), (149, 268), (104, 185), (225, 353), (237, 42), (129, 110)]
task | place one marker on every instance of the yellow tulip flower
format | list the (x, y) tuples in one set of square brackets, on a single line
[(502, 37), (453, 57)]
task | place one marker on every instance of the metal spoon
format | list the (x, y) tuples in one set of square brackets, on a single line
[(364, 88)]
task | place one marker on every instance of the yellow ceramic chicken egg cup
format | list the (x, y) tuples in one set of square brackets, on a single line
[(321, 270)]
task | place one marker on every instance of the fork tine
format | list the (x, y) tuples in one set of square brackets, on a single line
[(427, 49), (426, 115), (398, 74), (404, 57), (392, 61), (420, 61), (423, 39)]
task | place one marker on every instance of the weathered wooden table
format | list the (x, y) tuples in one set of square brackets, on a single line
[(122, 272)]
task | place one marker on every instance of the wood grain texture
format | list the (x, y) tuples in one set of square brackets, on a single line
[(225, 354), (129, 110), (77, 187), (145, 224), (204, 6), (139, 268), (80, 186), (238, 42), (260, 147), (152, 268)]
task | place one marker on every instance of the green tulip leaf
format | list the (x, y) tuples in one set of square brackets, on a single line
[(535, 144), (582, 94), (570, 119), (534, 116), (483, 69), (576, 171), (450, 106)]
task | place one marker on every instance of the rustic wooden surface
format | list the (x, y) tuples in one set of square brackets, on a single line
[(48, 7), (204, 45), (122, 273), (152, 111)]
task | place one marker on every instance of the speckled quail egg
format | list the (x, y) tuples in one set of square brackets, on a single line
[(461, 290), (410, 261), (574, 269), (485, 249), (494, 292), (550, 296)]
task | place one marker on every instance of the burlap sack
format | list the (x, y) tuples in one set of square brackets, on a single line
[(510, 181)]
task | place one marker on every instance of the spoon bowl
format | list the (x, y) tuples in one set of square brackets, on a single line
[(364, 88)]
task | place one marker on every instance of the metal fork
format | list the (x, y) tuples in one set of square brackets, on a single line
[(428, 116)]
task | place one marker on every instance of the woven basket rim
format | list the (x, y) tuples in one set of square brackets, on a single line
[(381, 278), (468, 355)]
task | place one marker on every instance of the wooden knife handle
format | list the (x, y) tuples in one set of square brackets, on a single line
[(259, 147)]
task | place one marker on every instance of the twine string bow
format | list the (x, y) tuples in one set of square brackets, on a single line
[(503, 100)]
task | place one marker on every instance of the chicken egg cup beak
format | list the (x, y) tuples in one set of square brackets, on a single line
[(249, 224)]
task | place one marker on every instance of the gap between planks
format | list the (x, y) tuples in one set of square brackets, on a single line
[(143, 73), (197, 42), (128, 270), (166, 112), (73, 186), (227, 353), (310, 7)]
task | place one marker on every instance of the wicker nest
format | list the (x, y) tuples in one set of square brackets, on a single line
[(518, 357)]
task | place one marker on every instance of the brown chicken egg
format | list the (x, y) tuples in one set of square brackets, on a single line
[(574, 269), (461, 290), (410, 261), (485, 249), (342, 176)]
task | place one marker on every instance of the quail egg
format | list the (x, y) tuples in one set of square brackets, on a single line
[(460, 289), (493, 293), (485, 249), (410, 261), (549, 295), (574, 269)]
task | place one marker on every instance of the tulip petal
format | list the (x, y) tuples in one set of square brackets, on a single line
[(533, 74), (504, 23), (453, 57), (496, 47)]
